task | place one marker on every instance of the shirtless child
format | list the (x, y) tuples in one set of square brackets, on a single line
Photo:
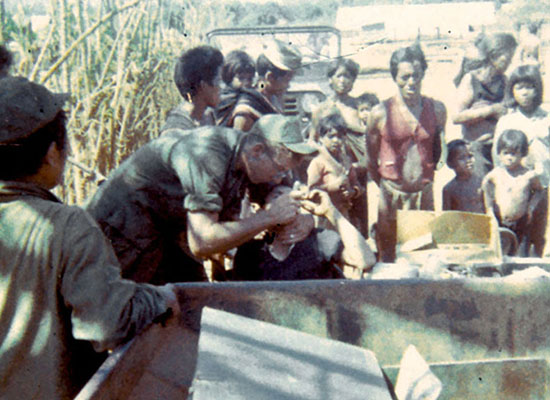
[(464, 192), (332, 170), (512, 191)]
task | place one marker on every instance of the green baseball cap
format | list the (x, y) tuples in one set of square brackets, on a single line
[(283, 130), (25, 107), (284, 56)]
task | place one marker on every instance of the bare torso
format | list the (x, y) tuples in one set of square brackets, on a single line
[(511, 192), (464, 195)]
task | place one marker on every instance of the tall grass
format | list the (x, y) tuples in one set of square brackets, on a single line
[(116, 59)]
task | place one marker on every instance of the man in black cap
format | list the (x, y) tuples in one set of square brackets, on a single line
[(60, 284), (176, 201)]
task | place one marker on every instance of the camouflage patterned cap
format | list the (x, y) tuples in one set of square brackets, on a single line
[(283, 130), (25, 107), (284, 56)]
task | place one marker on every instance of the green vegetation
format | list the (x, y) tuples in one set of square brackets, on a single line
[(116, 60)]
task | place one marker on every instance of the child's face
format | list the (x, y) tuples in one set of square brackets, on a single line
[(341, 82), (363, 111), (242, 80), (332, 141), (524, 94), (510, 159), (464, 162)]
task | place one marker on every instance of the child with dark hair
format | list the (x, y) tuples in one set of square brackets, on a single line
[(512, 191), (364, 105), (332, 169), (238, 70), (524, 93), (238, 75), (276, 67), (464, 192), (197, 76), (342, 75)]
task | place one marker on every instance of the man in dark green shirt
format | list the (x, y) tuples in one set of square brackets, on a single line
[(177, 199)]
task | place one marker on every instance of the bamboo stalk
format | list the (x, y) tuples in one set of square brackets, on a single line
[(63, 43), (43, 50), (83, 36), (107, 63)]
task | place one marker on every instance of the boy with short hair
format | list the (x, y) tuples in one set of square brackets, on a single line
[(364, 105), (512, 191), (464, 192)]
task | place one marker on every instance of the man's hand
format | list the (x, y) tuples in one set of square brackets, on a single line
[(318, 203), (298, 230), (169, 293), (283, 209)]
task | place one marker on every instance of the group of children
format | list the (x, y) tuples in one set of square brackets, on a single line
[(514, 190)]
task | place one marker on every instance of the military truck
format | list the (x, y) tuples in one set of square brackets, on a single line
[(319, 45)]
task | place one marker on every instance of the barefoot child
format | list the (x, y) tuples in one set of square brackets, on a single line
[(332, 169), (512, 191), (463, 193)]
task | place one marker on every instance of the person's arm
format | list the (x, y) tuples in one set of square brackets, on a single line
[(500, 127), (315, 174), (207, 236), (350, 116), (104, 308), (467, 115), (537, 194), (488, 187), (242, 122), (439, 139), (376, 121), (356, 189), (356, 251)]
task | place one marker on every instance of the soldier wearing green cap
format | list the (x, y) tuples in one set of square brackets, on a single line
[(276, 67), (176, 200), (60, 284)]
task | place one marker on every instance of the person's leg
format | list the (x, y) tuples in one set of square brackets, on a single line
[(522, 232), (386, 227), (539, 225), (427, 197)]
